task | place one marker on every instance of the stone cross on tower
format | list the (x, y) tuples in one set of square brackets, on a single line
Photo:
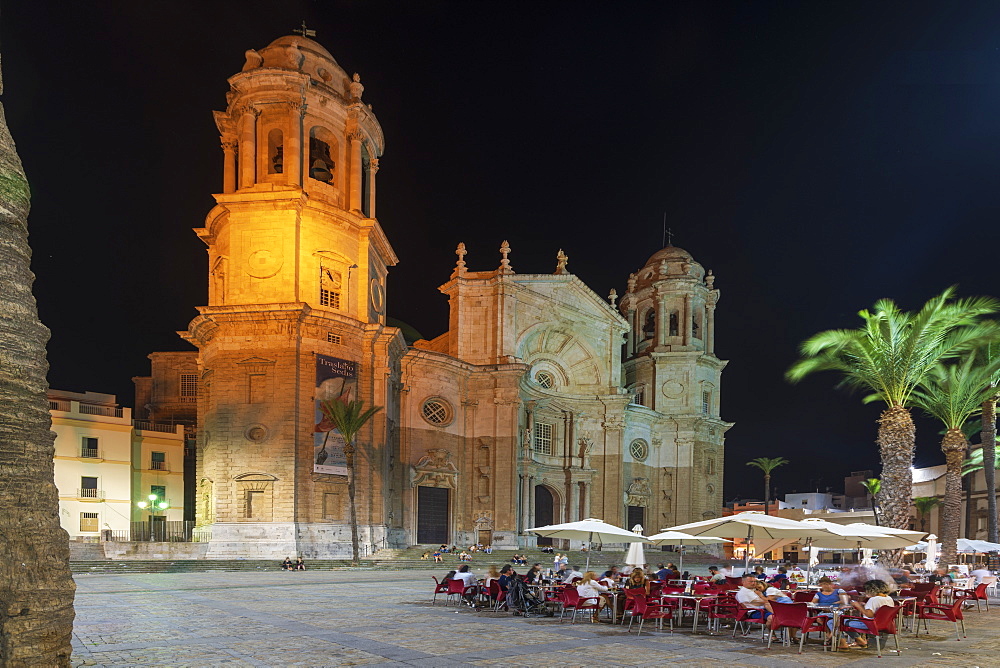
[(505, 267), (460, 265), (561, 260), (305, 32)]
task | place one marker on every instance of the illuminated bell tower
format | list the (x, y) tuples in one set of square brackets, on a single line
[(297, 266)]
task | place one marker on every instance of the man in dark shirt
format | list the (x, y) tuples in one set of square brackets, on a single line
[(662, 573)]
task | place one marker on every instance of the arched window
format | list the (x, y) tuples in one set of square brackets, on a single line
[(322, 146), (673, 324), (649, 325), (695, 327), (275, 152)]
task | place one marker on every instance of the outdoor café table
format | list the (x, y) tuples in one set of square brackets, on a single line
[(836, 611), (613, 595), (697, 605), (903, 603)]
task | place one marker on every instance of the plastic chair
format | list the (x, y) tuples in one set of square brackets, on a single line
[(803, 596), (945, 613), (457, 588), (812, 624), (734, 581), (978, 594), (629, 607), (787, 615), (646, 609), (572, 600), (439, 588), (884, 621), (496, 595), (744, 618), (719, 609)]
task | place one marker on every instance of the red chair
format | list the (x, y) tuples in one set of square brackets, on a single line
[(457, 588), (439, 588), (737, 582), (792, 586), (744, 618), (655, 587), (572, 600), (884, 621), (646, 609), (496, 595), (978, 594), (811, 625), (787, 615), (629, 607), (944, 613), (803, 596), (720, 608)]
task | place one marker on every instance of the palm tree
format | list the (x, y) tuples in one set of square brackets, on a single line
[(952, 392), (924, 505), (767, 464), (888, 356), (873, 486), (988, 434), (36, 586), (349, 418)]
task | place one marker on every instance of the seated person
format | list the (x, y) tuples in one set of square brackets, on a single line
[(637, 580), (491, 574), (832, 596), (662, 573), (286, 565), (300, 565), (878, 595), (589, 587), (774, 594), (940, 577), (758, 572), (609, 578), (437, 556), (425, 556), (714, 576), (444, 548), (752, 600), (980, 572), (448, 576), (534, 574), (779, 578), (506, 575), (900, 576), (569, 574), (672, 572), (468, 579), (464, 556)]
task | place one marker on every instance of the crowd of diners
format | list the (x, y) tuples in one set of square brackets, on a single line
[(858, 592)]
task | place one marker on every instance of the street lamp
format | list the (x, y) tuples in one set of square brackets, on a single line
[(152, 504)]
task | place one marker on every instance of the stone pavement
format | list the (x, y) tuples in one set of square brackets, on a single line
[(348, 618)]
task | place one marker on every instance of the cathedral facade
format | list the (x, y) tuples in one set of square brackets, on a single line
[(542, 402)]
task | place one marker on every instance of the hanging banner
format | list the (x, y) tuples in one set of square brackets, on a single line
[(336, 380)]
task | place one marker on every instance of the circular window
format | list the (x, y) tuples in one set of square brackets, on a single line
[(436, 411), (545, 379), (256, 433), (639, 450)]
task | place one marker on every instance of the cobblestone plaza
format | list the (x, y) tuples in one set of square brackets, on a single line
[(384, 618)]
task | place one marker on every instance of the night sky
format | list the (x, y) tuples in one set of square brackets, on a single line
[(816, 155)]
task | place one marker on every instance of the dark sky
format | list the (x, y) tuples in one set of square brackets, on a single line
[(816, 155)]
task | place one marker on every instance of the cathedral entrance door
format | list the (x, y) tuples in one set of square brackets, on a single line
[(636, 515), (432, 515), (485, 537), (544, 510)]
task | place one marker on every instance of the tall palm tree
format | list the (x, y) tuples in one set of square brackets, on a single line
[(988, 434), (767, 464), (888, 356), (953, 392), (36, 586), (873, 486), (349, 418), (924, 506)]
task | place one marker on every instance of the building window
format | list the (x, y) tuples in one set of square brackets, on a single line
[(710, 467), (254, 500), (333, 338), (189, 385), (545, 379), (158, 461), (159, 490), (255, 390), (437, 411), (639, 450), (89, 522), (329, 298), (673, 324), (543, 438), (638, 396), (88, 487), (649, 325), (706, 402), (88, 447)]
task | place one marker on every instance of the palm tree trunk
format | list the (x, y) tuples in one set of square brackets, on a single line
[(988, 437), (355, 542), (954, 447), (896, 440), (767, 493), (36, 602)]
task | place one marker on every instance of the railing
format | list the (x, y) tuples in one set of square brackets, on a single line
[(146, 425), (157, 466), (188, 400), (159, 532), (106, 411), (87, 493), (90, 453)]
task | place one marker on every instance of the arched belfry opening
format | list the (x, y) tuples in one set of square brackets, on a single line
[(322, 148), (275, 152)]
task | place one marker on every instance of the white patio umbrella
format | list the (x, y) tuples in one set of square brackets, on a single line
[(857, 536), (683, 539), (915, 535), (932, 553), (635, 555), (747, 526), (589, 530)]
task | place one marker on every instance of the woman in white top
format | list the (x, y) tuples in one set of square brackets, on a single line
[(878, 595), (591, 588)]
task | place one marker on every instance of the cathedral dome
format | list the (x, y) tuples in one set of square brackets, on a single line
[(294, 52), (669, 262), (305, 44)]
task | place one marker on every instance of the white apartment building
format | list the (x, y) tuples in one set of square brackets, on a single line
[(105, 463)]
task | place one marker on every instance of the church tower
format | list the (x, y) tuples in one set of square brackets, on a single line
[(297, 266), (670, 366)]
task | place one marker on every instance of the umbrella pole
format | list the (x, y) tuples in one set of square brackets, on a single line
[(589, 544), (681, 569), (809, 561), (746, 566)]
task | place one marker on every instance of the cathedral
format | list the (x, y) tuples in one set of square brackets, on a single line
[(542, 402)]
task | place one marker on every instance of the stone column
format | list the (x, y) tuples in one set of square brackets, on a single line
[(248, 147), (531, 501), (662, 321), (356, 140), (710, 328), (632, 336), (574, 501), (229, 165), (525, 504), (372, 170), (293, 145), (686, 323)]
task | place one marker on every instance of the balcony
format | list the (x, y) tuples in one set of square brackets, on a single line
[(106, 411), (88, 493), (157, 466), (146, 425), (90, 453)]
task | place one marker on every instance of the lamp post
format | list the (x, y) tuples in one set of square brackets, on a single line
[(153, 504)]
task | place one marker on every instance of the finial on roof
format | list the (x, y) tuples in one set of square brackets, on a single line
[(460, 265), (561, 260), (613, 298), (505, 267), (632, 280), (356, 88), (710, 280)]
